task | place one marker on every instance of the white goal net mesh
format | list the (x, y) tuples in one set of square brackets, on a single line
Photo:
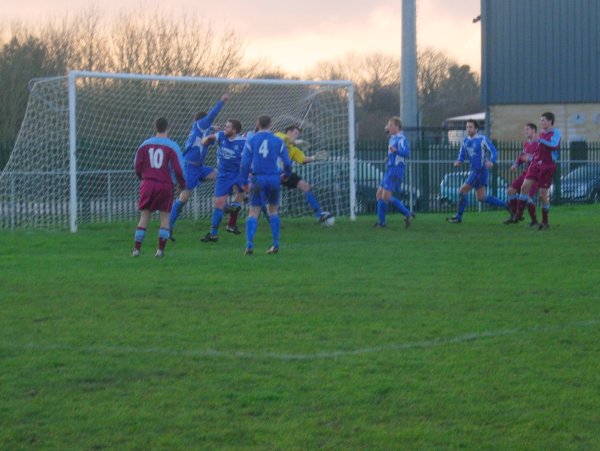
[(115, 113)]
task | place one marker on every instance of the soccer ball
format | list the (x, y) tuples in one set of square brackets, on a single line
[(329, 222)]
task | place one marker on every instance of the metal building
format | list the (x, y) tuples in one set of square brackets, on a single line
[(541, 55)]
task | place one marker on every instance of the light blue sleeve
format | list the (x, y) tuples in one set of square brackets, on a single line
[(555, 141), (179, 154)]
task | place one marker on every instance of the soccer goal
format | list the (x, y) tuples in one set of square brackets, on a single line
[(73, 159)]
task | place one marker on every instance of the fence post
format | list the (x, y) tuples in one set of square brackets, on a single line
[(13, 204), (109, 195)]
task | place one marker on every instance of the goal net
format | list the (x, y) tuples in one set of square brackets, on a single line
[(73, 159)]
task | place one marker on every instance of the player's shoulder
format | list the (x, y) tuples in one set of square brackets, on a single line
[(280, 142), (283, 137), (164, 142)]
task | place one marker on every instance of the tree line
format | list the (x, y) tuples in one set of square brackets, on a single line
[(149, 43)]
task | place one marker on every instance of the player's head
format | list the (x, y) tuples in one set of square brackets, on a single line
[(232, 127), (472, 127), (530, 130), (264, 122), (547, 120), (161, 125), (394, 125), (199, 115), (293, 131)]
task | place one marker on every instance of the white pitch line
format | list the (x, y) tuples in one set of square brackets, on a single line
[(290, 357)]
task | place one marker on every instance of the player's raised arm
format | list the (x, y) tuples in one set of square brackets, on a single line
[(206, 121), (210, 139)]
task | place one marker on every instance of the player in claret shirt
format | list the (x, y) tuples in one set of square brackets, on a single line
[(155, 160), (542, 168), (530, 147)]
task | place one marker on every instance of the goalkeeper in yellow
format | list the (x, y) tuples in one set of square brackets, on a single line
[(290, 136)]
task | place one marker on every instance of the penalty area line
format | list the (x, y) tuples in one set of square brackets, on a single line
[(322, 355)]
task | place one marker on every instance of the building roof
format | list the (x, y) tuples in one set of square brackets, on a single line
[(476, 116)]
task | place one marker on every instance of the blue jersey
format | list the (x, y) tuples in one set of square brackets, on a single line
[(479, 149), (194, 152), (229, 153), (398, 150), (262, 154)]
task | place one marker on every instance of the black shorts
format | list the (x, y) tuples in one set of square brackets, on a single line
[(292, 181)]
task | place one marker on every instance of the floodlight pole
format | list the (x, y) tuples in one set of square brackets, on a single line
[(408, 96)]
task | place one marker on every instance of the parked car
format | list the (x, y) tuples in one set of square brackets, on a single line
[(451, 183), (368, 178), (581, 184)]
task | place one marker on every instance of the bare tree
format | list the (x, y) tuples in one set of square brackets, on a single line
[(376, 78), (77, 42), (445, 88), (152, 43)]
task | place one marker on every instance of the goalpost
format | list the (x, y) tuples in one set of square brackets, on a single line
[(72, 162)]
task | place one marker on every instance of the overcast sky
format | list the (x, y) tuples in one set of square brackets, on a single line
[(296, 35)]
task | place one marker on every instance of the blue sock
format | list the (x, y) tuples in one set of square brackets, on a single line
[(313, 202), (495, 201), (513, 196), (400, 206), (462, 205), (381, 210), (163, 233), (175, 211), (251, 225), (524, 197), (216, 220), (274, 223), (140, 234)]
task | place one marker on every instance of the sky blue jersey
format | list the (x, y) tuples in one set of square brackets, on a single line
[(229, 153), (262, 154), (479, 149), (194, 152)]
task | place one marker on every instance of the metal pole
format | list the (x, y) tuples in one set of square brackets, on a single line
[(72, 153), (408, 99)]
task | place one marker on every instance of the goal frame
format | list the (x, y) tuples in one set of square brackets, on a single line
[(72, 92)]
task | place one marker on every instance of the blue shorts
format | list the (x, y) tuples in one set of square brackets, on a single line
[(225, 183), (392, 179), (264, 190), (477, 179), (195, 174)]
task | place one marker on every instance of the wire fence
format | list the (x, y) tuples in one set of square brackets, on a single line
[(431, 182)]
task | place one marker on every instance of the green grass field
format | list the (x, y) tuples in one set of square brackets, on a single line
[(475, 336)]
